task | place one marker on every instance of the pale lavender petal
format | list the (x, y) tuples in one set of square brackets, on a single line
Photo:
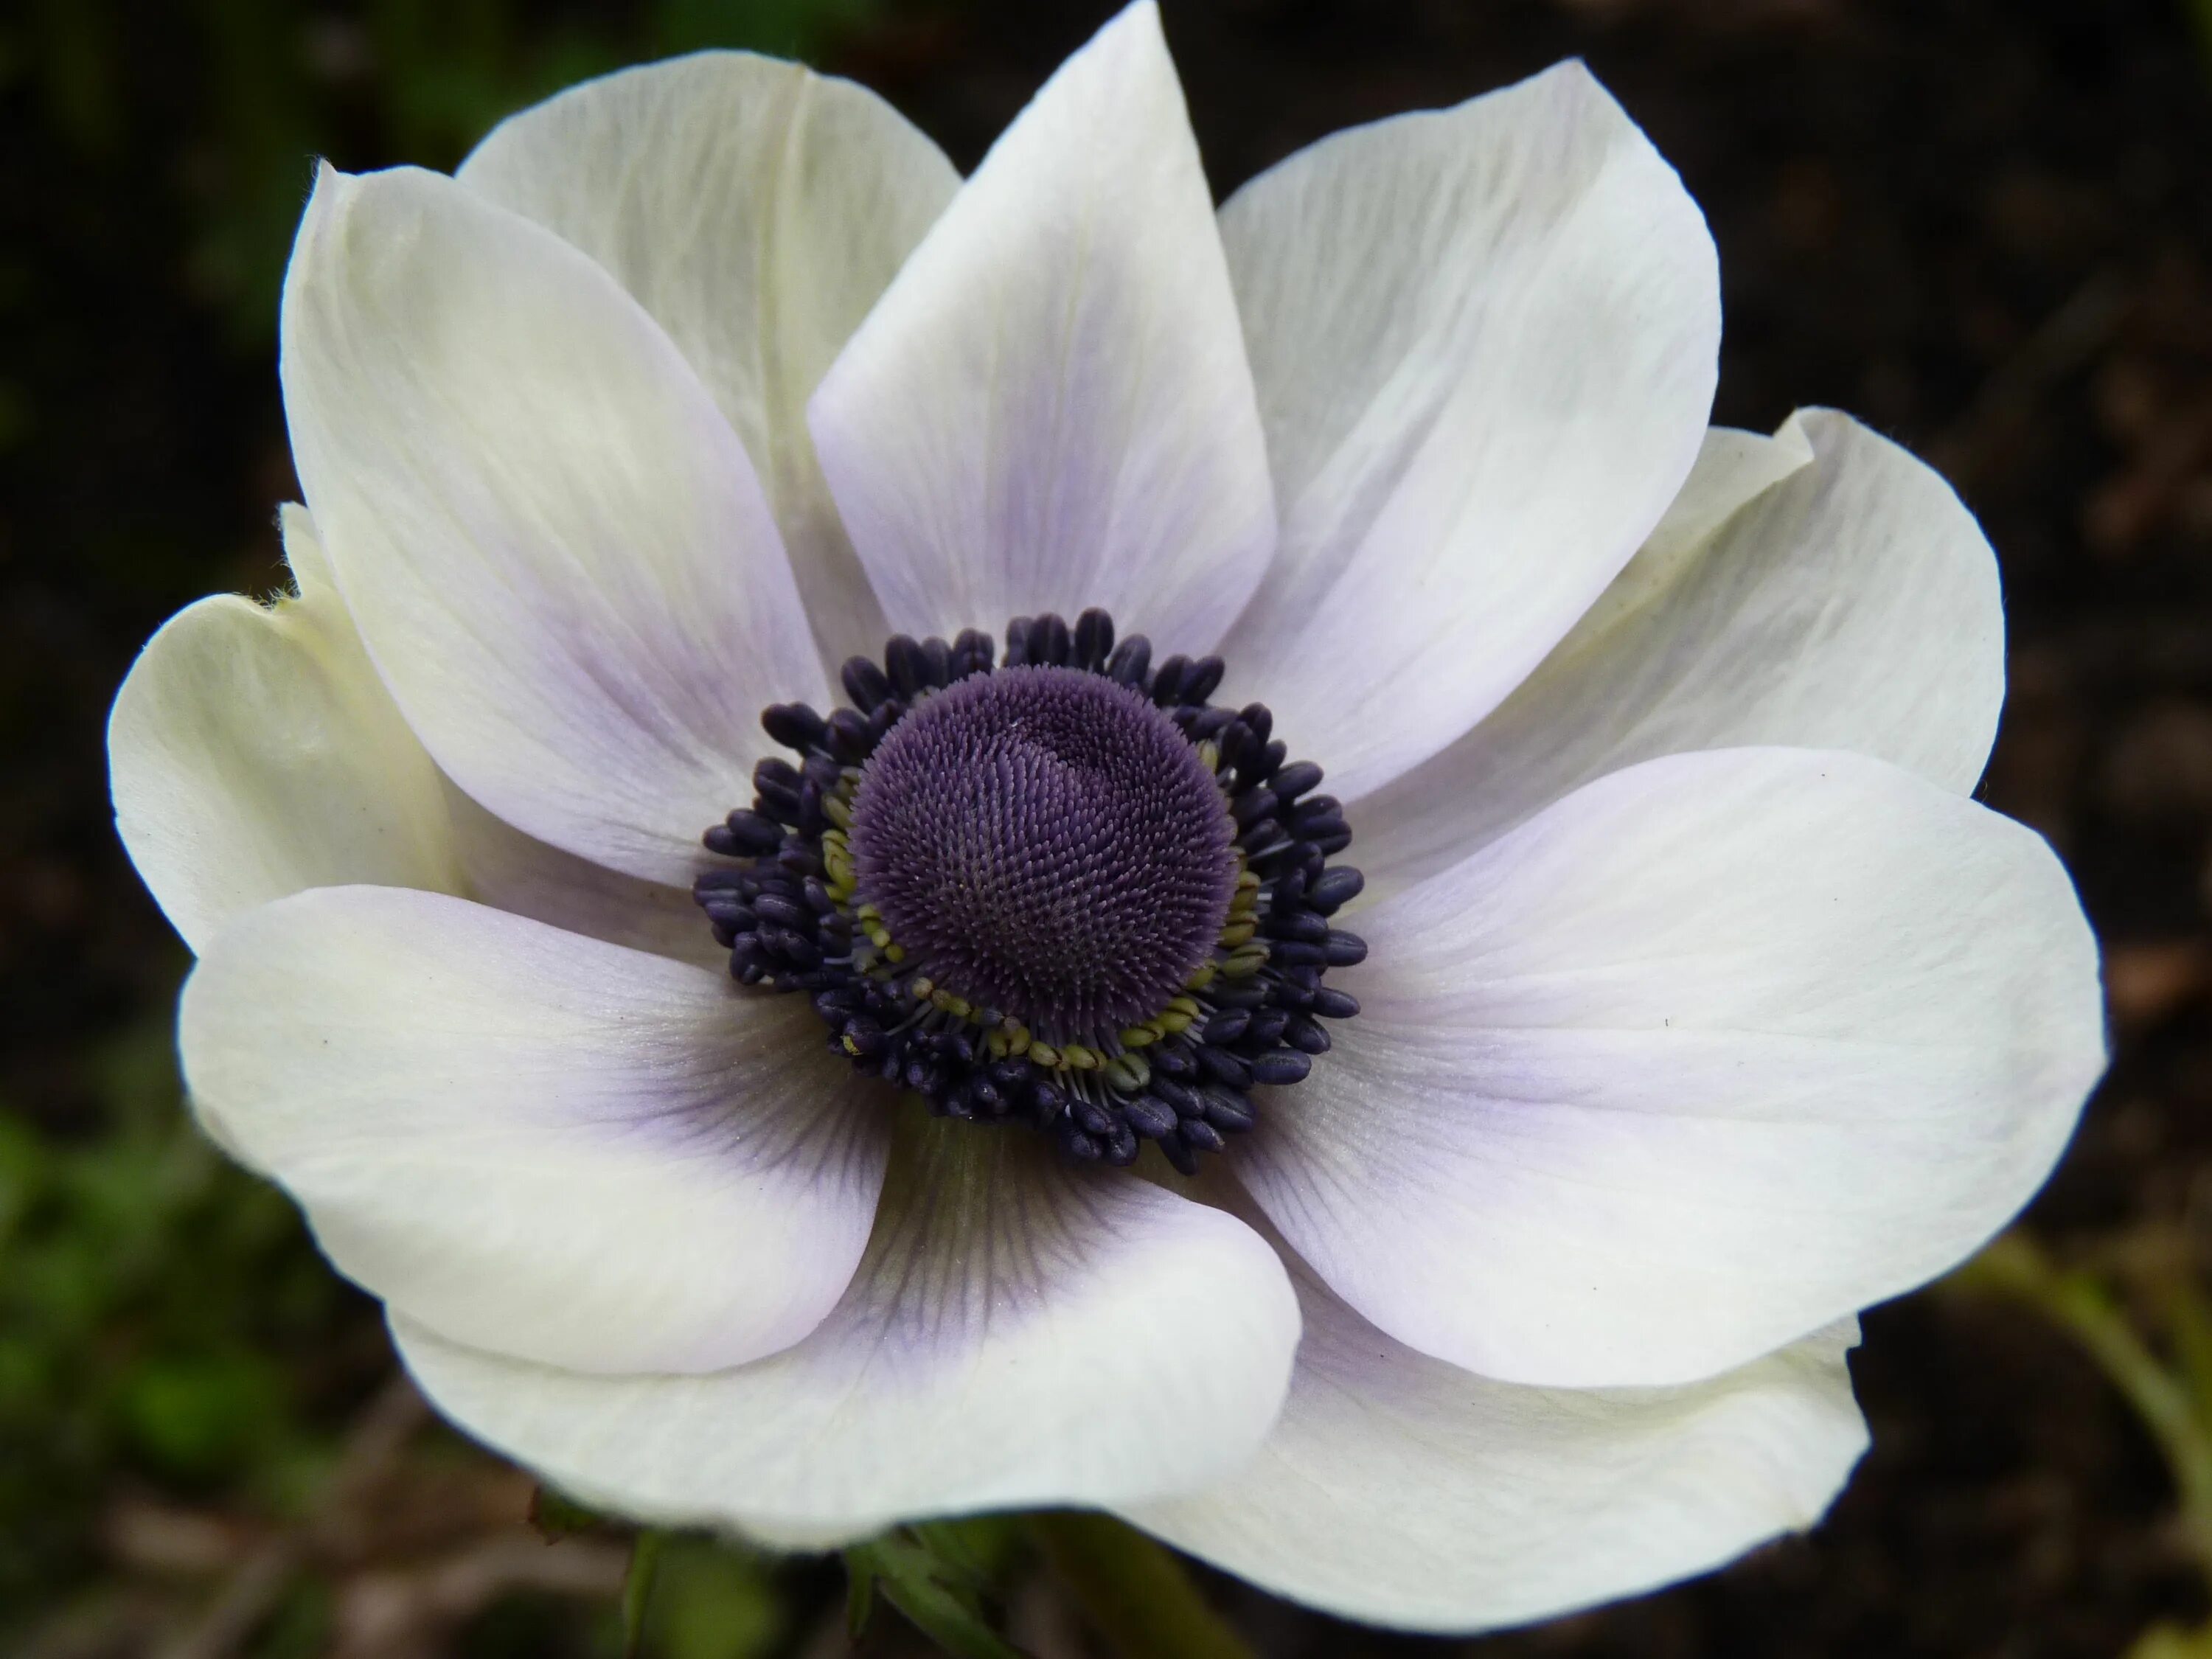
[(534, 1142), (757, 210), (549, 536), (1484, 341), (1819, 589), (1399, 1490), (1049, 408), (1022, 1332), (1716, 1050)]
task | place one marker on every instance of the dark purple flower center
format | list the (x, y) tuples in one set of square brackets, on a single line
[(1065, 890), (1051, 844)]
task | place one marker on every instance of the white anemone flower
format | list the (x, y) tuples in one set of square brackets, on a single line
[(1701, 1007)]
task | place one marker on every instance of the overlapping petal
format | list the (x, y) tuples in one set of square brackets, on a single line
[(1022, 1332), (540, 1143), (1820, 588), (547, 533), (756, 210), (1485, 342), (1716, 1050), (1050, 408), (502, 867), (1402, 1490), (252, 753), (1674, 1052)]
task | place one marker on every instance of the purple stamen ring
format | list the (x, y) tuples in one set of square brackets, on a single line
[(1066, 891)]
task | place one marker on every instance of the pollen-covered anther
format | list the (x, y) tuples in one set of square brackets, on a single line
[(1065, 890)]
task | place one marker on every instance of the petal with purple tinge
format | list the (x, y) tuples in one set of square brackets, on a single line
[(1716, 1050), (1819, 588), (535, 1141), (1022, 1332), (1485, 341), (1403, 1491), (757, 210), (504, 868), (553, 544), (1049, 408)]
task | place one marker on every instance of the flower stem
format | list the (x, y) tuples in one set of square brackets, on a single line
[(1136, 1592), (2081, 1305), (637, 1589)]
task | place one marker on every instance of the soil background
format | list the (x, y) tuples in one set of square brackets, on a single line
[(1983, 226)]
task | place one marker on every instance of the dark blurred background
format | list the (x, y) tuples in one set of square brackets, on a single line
[(1984, 226)]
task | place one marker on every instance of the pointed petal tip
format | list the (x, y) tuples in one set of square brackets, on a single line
[(1051, 405)]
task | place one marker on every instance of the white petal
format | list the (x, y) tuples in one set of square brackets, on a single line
[(1821, 588), (1715, 1051), (1021, 1333), (507, 870), (1403, 1491), (1050, 408), (252, 753), (548, 535), (757, 210), (255, 754), (532, 1140), (1484, 341)]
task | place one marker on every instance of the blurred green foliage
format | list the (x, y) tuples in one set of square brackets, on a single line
[(162, 1319), (710, 1603), (384, 81)]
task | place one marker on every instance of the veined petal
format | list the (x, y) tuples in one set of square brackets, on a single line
[(549, 536), (1403, 1491), (1050, 408), (1022, 1332), (1715, 1051), (756, 209), (1485, 342), (252, 753), (532, 1140), (1820, 588)]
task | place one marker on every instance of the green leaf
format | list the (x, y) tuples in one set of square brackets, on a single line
[(936, 1595)]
